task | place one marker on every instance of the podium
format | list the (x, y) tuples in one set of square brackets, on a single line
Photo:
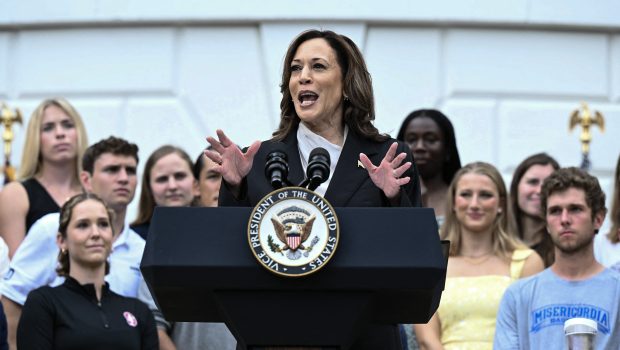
[(389, 268)]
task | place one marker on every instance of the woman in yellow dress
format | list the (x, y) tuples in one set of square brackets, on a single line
[(484, 260)]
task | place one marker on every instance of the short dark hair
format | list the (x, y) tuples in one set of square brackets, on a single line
[(453, 160), (114, 145), (565, 178)]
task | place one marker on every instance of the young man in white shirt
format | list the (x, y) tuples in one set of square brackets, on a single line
[(109, 172)]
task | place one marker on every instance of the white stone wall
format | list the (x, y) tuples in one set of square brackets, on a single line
[(508, 74)]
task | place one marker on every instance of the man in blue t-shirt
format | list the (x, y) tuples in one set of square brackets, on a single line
[(533, 310)]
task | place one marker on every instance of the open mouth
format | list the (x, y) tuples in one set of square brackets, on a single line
[(307, 98)]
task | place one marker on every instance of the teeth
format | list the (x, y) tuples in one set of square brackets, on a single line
[(307, 98)]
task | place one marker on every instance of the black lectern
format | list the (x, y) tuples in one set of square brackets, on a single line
[(389, 268)]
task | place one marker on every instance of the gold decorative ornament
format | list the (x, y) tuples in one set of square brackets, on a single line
[(8, 118), (586, 119)]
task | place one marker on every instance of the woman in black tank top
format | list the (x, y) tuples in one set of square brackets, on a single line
[(49, 169)]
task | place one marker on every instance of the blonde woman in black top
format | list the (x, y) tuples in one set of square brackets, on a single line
[(48, 172), (83, 313)]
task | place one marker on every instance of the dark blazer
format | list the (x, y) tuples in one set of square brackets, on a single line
[(350, 186)]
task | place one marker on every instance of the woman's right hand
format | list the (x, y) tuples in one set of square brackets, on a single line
[(231, 162)]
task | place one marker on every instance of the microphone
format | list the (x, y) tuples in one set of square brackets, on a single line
[(276, 167), (318, 169)]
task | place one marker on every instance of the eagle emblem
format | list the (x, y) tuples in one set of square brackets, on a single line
[(586, 119), (304, 236), (293, 226)]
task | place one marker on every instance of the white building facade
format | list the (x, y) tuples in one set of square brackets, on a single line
[(507, 73)]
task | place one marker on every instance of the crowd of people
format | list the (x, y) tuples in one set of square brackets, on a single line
[(522, 259)]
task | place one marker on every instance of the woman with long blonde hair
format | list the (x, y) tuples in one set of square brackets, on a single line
[(49, 171), (484, 259)]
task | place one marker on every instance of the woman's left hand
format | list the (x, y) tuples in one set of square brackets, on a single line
[(387, 175)]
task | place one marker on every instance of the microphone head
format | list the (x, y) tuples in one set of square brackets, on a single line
[(320, 151), (318, 167), (276, 166)]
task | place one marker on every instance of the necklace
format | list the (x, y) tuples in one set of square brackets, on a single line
[(474, 260)]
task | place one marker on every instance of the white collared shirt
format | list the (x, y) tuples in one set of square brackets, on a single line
[(35, 261), (307, 141)]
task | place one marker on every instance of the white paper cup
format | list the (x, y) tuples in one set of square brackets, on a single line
[(580, 333)]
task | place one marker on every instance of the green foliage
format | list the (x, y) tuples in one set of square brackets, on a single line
[(273, 246)]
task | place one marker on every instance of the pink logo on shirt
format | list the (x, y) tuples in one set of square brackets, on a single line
[(130, 318)]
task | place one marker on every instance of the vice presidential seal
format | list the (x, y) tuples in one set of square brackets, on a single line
[(293, 232)]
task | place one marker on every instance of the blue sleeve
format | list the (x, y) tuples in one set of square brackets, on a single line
[(506, 328)]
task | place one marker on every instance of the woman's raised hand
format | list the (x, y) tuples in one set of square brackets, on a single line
[(231, 162), (387, 175)]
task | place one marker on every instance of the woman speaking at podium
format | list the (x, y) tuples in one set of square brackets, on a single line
[(327, 101)]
